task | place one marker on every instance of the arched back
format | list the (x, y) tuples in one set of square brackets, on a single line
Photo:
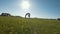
[(27, 14)]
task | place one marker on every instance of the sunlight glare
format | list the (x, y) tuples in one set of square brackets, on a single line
[(25, 5)]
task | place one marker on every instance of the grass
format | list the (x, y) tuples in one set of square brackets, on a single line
[(18, 25)]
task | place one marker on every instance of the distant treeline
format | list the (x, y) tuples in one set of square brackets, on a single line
[(5, 14), (8, 14)]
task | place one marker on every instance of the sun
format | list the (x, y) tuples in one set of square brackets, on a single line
[(25, 5)]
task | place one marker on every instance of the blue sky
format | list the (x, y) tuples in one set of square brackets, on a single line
[(38, 8)]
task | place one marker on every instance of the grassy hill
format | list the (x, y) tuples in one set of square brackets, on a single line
[(17, 25)]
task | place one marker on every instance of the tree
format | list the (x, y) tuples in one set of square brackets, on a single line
[(58, 19), (5, 14)]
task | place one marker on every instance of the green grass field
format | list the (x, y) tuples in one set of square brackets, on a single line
[(17, 25)]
